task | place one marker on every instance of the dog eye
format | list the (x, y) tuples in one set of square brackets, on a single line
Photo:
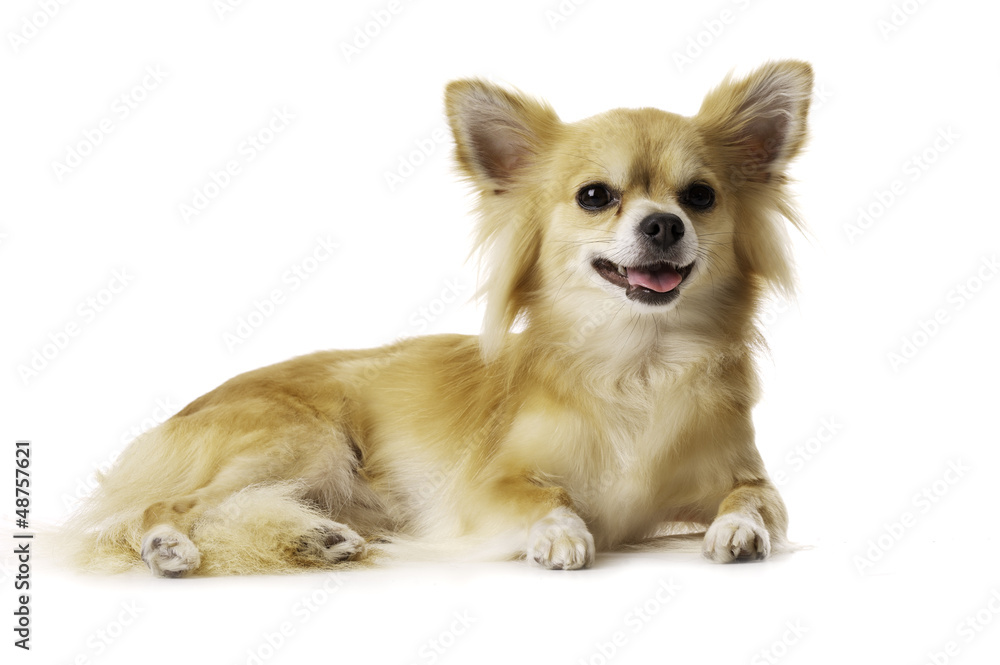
[(595, 197), (699, 196)]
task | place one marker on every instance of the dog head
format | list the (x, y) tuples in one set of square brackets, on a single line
[(654, 213)]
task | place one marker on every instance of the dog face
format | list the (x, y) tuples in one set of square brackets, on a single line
[(635, 205), (650, 211)]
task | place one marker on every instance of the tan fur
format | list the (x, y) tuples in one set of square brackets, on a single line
[(596, 424)]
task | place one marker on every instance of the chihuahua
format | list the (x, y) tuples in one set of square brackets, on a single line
[(608, 396)]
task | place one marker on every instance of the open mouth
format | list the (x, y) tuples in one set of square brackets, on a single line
[(652, 284)]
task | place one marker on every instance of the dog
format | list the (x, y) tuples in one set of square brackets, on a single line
[(609, 395)]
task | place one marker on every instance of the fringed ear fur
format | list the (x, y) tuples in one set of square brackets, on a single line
[(759, 122), (755, 126), (498, 133), (500, 137)]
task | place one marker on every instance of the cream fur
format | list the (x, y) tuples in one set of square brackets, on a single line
[(601, 422)]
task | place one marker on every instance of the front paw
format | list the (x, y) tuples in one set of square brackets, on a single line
[(736, 536), (561, 541)]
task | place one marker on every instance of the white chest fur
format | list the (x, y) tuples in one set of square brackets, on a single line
[(628, 461)]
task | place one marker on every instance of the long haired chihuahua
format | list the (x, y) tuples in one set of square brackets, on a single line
[(609, 395)]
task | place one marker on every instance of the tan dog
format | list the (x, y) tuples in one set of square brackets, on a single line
[(631, 251)]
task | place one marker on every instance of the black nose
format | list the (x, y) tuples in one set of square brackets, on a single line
[(663, 228)]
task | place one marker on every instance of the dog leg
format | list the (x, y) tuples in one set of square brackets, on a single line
[(166, 547), (558, 539), (271, 528), (751, 520)]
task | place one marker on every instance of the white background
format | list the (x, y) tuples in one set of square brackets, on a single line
[(883, 97)]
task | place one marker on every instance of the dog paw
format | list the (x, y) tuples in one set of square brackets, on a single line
[(330, 542), (561, 541), (735, 536), (169, 553)]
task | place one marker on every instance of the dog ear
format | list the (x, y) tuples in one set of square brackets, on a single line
[(500, 138), (759, 122), (498, 133)]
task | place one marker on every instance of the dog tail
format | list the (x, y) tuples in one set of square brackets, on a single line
[(688, 542), (104, 534), (99, 539), (396, 548), (262, 529)]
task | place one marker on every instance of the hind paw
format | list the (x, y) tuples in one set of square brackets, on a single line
[(169, 553), (330, 542)]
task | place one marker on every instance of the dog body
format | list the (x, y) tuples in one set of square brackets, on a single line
[(609, 394)]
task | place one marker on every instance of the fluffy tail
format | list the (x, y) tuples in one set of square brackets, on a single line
[(672, 542), (263, 528)]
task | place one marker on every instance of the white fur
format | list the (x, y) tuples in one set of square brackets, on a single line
[(560, 540), (626, 248), (736, 536), (169, 553)]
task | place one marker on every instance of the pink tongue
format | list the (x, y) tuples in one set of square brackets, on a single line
[(660, 281)]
